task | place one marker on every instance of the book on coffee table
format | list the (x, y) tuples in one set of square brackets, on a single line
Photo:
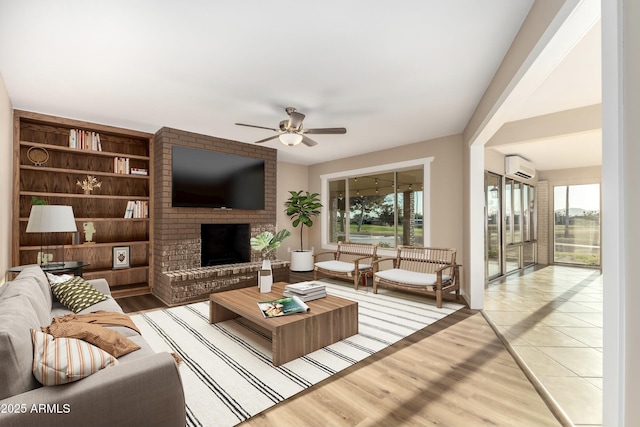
[(305, 288), (282, 306), (306, 297)]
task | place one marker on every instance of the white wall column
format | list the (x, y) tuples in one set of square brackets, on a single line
[(621, 205)]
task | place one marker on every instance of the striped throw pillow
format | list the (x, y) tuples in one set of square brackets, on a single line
[(77, 294), (64, 360)]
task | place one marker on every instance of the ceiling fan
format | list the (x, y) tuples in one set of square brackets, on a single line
[(290, 132)]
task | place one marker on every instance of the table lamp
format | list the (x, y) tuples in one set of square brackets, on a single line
[(51, 219)]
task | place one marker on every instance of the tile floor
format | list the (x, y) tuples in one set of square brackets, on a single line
[(552, 316)]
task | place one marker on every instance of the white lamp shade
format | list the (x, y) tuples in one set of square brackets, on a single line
[(290, 139), (51, 219)]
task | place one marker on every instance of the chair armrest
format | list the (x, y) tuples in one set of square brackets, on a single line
[(376, 263), (356, 261), (316, 256), (454, 273), (144, 391)]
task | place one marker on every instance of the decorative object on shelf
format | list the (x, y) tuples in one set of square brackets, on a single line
[(267, 242), (44, 258), (37, 155), (89, 184), (89, 231), (50, 219), (37, 201), (121, 257), (301, 206)]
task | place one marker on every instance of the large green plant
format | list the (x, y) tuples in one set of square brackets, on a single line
[(301, 207)]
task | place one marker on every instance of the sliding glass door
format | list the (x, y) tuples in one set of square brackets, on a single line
[(510, 225), (493, 226)]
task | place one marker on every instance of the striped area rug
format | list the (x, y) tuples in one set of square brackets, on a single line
[(227, 372)]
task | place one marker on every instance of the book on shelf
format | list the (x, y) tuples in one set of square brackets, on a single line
[(137, 209), (282, 306), (121, 165), (139, 171), (84, 140)]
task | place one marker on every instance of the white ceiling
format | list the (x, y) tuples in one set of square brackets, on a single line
[(392, 73)]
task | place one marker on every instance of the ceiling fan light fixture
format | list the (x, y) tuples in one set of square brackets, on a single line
[(290, 139)]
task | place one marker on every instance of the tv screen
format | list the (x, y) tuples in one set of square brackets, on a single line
[(211, 179)]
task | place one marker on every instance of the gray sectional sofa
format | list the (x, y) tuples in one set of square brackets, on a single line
[(144, 388)]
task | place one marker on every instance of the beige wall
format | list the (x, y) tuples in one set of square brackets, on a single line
[(6, 181), (290, 177), (446, 184)]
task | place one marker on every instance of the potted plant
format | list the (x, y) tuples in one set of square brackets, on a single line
[(302, 206), (267, 242)]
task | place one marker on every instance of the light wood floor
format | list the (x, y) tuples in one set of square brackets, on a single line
[(455, 372)]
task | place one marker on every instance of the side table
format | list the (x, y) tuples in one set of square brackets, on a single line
[(74, 267)]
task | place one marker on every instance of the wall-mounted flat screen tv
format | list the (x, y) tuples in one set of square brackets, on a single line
[(210, 179)]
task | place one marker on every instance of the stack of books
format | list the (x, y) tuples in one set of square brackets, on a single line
[(306, 291)]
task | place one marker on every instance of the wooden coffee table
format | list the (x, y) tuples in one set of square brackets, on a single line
[(329, 320)]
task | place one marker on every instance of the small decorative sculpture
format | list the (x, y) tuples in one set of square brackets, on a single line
[(89, 184), (89, 231)]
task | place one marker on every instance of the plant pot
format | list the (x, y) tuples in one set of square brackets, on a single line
[(301, 261)]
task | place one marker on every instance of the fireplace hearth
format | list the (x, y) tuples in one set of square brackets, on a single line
[(225, 244)]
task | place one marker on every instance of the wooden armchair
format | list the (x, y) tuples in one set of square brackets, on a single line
[(421, 270), (350, 261)]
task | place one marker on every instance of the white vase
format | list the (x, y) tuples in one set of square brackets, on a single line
[(265, 276)]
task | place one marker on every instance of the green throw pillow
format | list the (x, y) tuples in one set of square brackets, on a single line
[(77, 294)]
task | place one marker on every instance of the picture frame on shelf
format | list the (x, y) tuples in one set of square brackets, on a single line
[(121, 257)]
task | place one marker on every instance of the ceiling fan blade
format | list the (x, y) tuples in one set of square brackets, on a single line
[(308, 141), (335, 131), (266, 139), (295, 120), (259, 127)]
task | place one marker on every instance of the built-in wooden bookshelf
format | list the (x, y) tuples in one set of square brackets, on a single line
[(55, 182)]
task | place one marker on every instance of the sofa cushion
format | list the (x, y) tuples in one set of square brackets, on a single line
[(77, 294), (35, 273), (64, 360), (410, 277), (16, 351), (36, 301), (341, 266)]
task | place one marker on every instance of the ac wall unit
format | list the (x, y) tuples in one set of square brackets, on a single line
[(517, 167)]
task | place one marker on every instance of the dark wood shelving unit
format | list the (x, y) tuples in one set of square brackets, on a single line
[(55, 182)]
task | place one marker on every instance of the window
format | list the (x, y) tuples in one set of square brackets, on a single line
[(382, 205), (576, 230)]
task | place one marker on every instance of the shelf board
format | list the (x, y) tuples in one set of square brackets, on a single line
[(26, 219), (130, 291), (90, 245), (78, 151), (83, 196), (83, 172)]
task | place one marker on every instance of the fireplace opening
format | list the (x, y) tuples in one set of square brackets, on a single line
[(225, 244)]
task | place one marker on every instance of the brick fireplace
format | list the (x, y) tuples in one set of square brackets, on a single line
[(178, 274)]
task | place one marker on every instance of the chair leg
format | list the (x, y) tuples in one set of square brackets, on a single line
[(315, 274)]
